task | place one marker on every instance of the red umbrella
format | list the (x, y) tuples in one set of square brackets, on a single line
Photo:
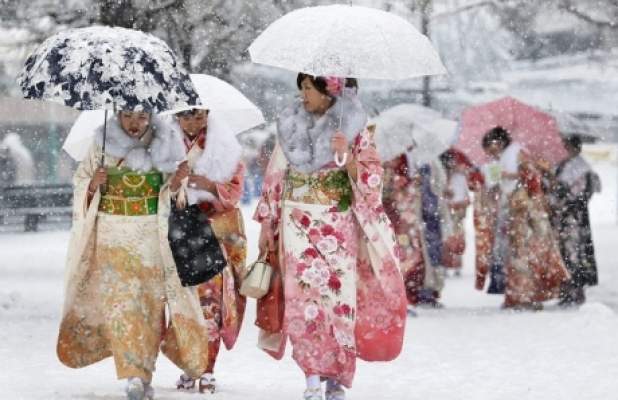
[(534, 129)]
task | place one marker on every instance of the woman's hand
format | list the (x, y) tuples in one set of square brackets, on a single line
[(99, 178), (339, 144), (181, 173), (202, 183), (266, 242)]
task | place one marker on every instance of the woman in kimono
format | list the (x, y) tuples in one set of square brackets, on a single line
[(412, 205), (458, 169), (120, 271), (514, 235), (214, 182), (402, 203), (571, 188), (323, 223)]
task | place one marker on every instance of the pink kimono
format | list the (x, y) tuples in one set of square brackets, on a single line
[(222, 305), (343, 293)]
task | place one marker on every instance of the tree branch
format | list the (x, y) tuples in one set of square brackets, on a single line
[(569, 7), (459, 10)]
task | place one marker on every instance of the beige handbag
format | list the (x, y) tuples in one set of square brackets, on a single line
[(257, 279)]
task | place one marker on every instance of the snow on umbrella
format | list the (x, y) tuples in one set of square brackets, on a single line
[(535, 130), (99, 67), (346, 41), (406, 125)]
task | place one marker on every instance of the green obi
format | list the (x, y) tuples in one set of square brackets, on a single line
[(130, 193), (325, 187)]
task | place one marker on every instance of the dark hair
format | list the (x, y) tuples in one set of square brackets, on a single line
[(498, 134), (191, 112), (319, 82), (573, 142)]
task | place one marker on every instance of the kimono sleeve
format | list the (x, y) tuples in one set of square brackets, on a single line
[(81, 180), (229, 193), (369, 169), (269, 205)]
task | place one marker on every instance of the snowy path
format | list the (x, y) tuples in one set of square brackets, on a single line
[(470, 350)]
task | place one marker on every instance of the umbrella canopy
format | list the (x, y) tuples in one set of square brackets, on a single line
[(346, 41), (534, 129), (230, 113), (97, 67), (225, 103), (81, 135), (404, 125)]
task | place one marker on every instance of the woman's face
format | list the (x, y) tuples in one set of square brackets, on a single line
[(192, 123), (495, 148), (134, 123), (314, 101)]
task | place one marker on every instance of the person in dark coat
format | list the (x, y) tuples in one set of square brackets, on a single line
[(571, 187)]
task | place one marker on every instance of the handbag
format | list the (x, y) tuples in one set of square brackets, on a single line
[(195, 248), (257, 279), (271, 307)]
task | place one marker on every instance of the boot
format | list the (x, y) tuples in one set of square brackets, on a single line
[(135, 389)]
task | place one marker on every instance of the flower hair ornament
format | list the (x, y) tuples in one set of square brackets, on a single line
[(334, 85)]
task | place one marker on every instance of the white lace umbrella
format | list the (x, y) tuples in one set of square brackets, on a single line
[(229, 109), (346, 41), (225, 103), (406, 125)]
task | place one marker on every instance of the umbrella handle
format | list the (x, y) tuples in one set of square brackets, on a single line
[(341, 162)]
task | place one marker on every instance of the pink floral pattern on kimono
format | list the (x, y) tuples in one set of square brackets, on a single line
[(344, 295)]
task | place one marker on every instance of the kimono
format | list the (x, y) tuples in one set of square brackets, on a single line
[(575, 182), (513, 232), (343, 293), (436, 228), (217, 156), (402, 203), (120, 274), (455, 243)]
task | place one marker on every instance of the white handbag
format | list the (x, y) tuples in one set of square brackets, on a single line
[(257, 279)]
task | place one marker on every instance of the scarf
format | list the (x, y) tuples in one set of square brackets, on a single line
[(305, 137)]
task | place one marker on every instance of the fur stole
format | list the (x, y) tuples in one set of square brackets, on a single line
[(305, 138), (162, 153)]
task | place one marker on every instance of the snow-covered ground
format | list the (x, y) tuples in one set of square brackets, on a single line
[(469, 350)]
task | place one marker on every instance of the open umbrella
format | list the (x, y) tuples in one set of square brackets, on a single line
[(346, 41), (404, 125), (99, 67), (225, 103), (230, 111), (534, 129), (107, 68)]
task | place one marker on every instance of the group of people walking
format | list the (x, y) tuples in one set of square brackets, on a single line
[(532, 230), (336, 293), (353, 240)]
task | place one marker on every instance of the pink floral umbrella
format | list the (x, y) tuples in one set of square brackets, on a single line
[(534, 129)]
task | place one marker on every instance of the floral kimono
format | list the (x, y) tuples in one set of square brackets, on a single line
[(575, 184), (402, 203), (120, 273), (513, 230), (217, 156), (342, 290)]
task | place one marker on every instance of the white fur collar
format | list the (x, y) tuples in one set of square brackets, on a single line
[(219, 160), (305, 138), (163, 153), (222, 152)]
